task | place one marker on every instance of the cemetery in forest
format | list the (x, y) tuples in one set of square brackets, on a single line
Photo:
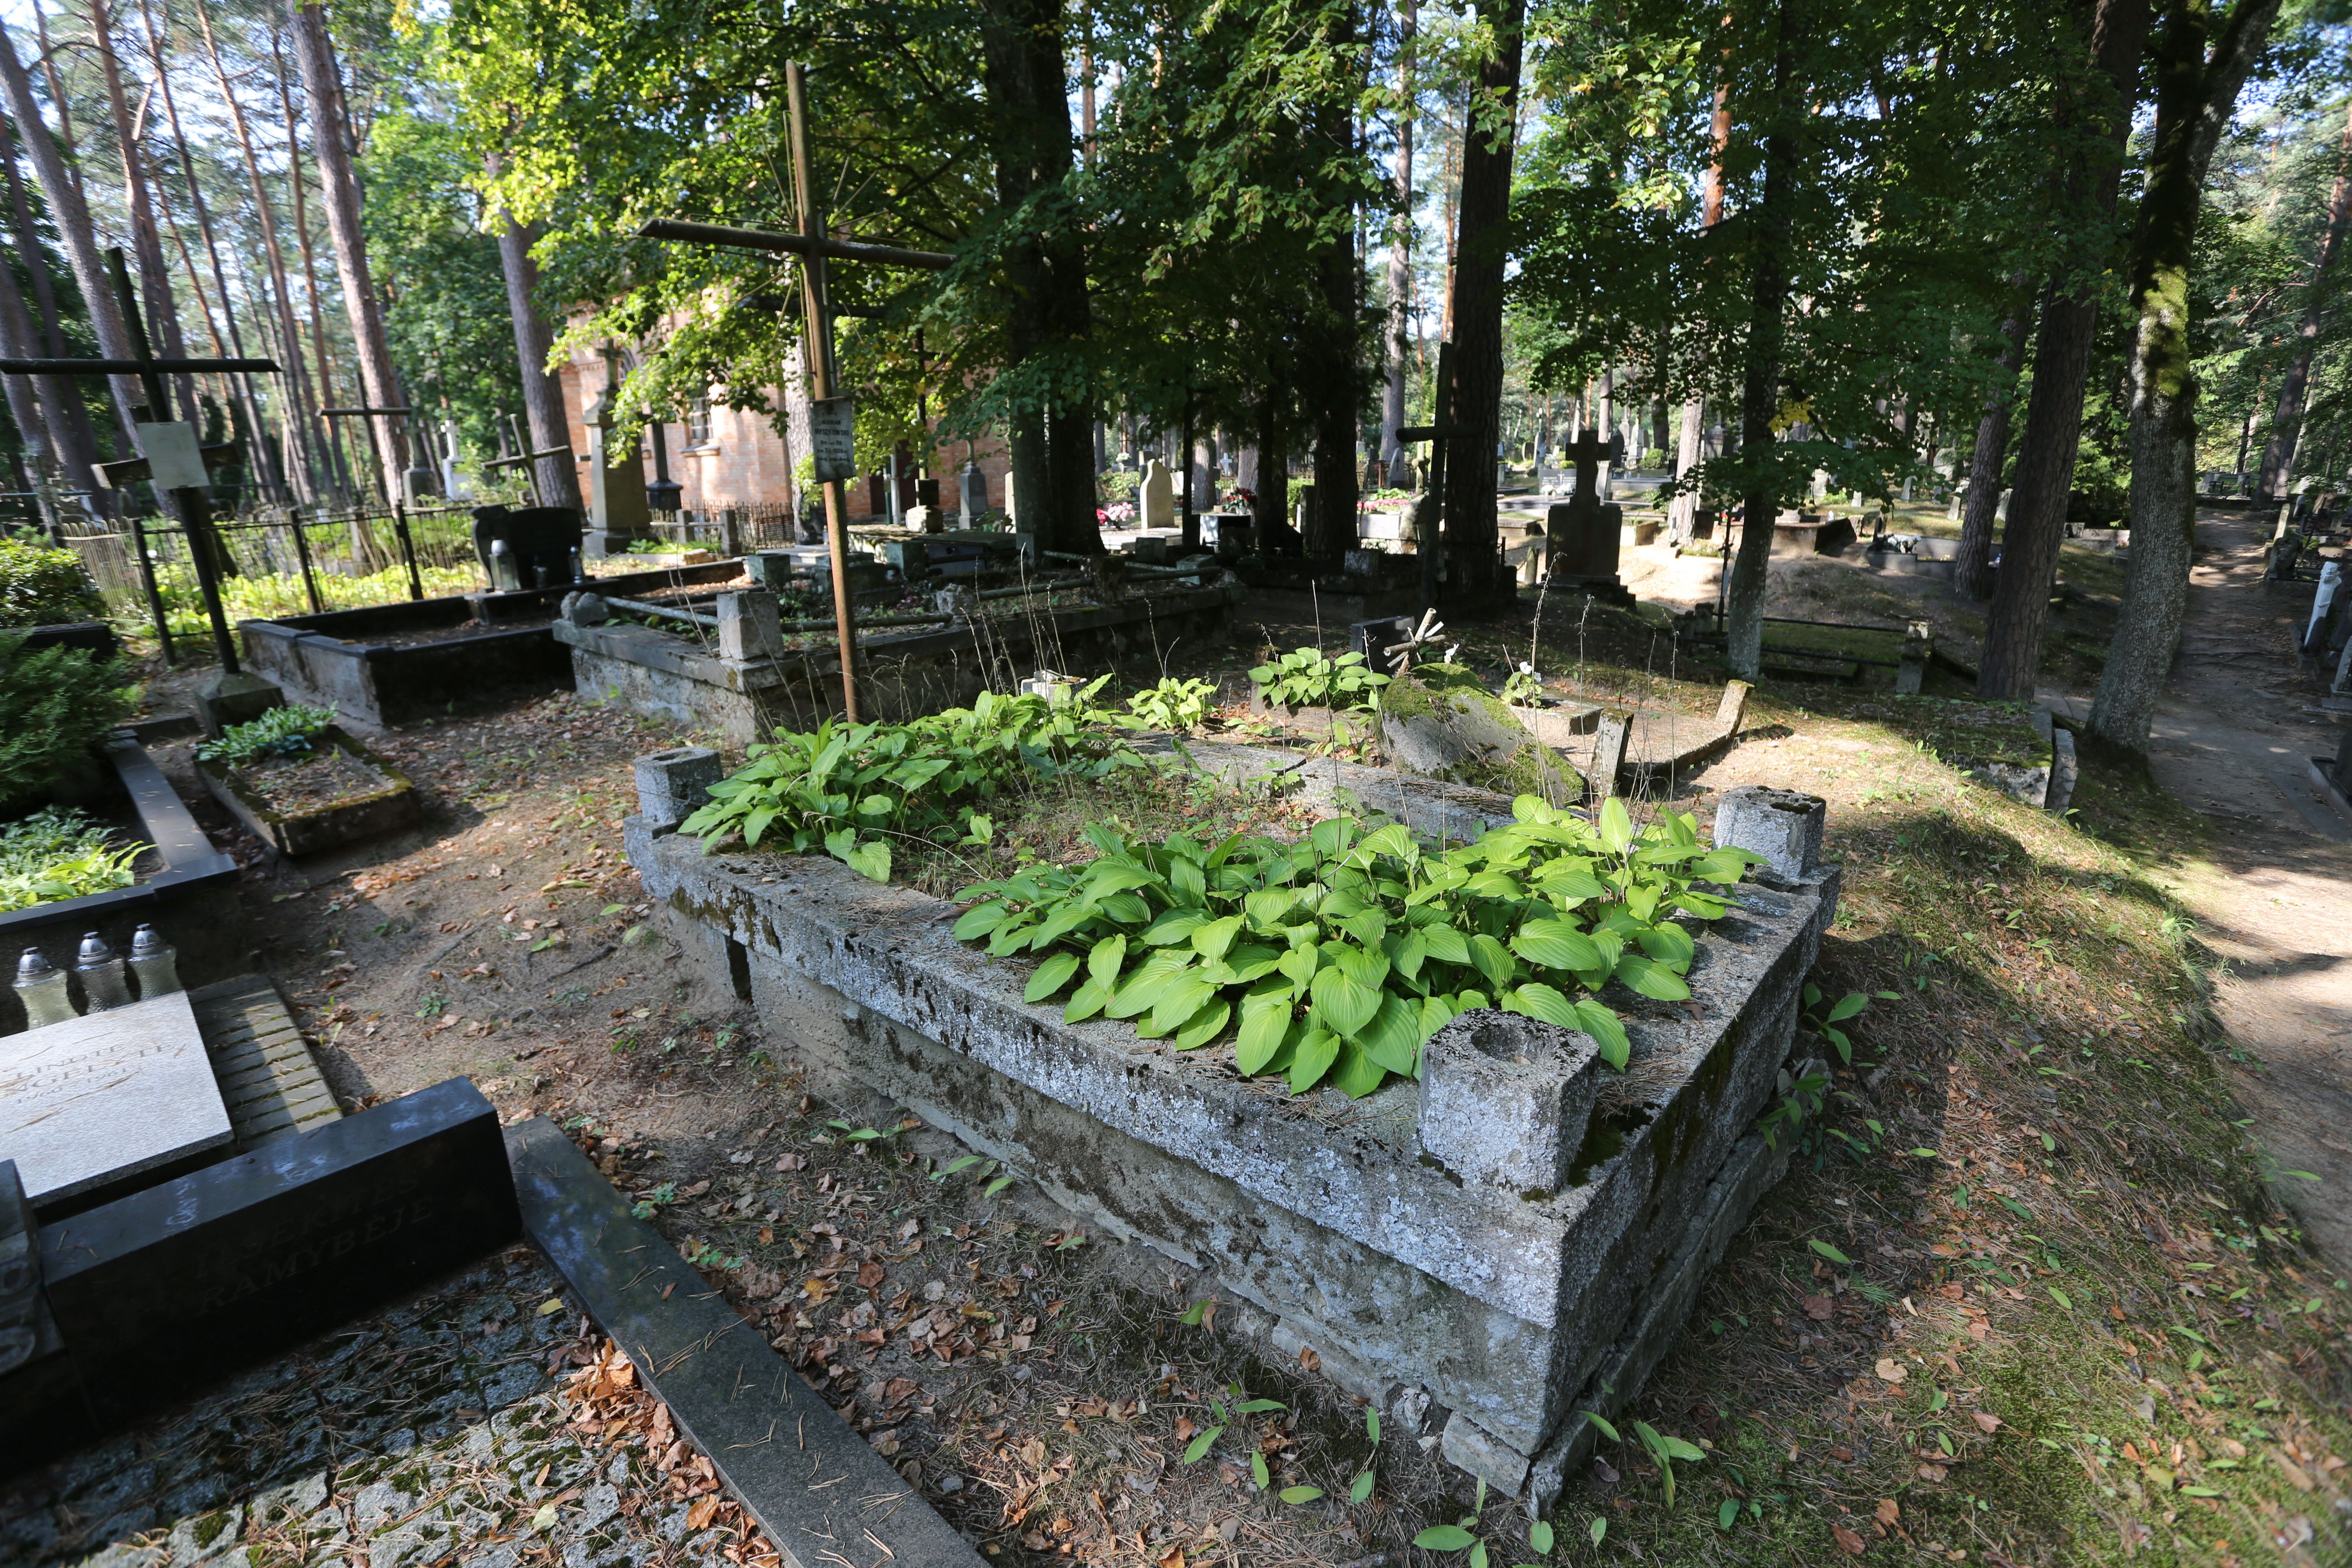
[(1308, 784)]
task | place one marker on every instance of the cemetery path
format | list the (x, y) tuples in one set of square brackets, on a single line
[(2273, 892)]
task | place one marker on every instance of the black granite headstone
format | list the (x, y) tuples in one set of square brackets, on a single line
[(1377, 638), (158, 1294), (541, 541)]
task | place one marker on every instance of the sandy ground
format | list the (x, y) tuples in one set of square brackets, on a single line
[(2231, 740)]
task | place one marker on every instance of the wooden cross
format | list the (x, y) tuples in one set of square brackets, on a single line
[(188, 500)]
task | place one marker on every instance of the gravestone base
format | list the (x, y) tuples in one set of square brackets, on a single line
[(227, 699)]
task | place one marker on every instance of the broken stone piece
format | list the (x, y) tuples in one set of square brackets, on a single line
[(1504, 1099)]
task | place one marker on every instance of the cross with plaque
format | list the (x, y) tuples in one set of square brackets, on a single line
[(171, 459)]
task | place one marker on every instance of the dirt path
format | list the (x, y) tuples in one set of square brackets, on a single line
[(2273, 895)]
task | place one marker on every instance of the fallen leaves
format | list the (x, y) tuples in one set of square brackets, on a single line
[(1847, 1541), (1889, 1370), (1985, 1422), (1932, 1472), (1820, 1308)]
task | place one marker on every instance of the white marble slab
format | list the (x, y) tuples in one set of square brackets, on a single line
[(86, 1103)]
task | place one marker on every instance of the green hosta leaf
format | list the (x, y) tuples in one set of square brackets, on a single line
[(1104, 959), (1296, 1495), (840, 842), (1393, 841), (1436, 1012), (1259, 1406), (1726, 1513), (1315, 1056), (1493, 960), (1847, 1006), (1215, 937), (1091, 998), (1724, 867), (1176, 925), (1539, 1537), (1139, 992), (1182, 999), (1265, 1020), (1393, 1037), (870, 859), (1362, 1488), (1597, 1530), (1051, 976), (1187, 882), (1358, 1074), (980, 920), (1445, 943), (1538, 1000), (1259, 1473), (1603, 1425), (1602, 1025), (1198, 1448), (1832, 1253), (1616, 825), (1206, 1026), (1651, 979), (1300, 964), (1555, 944), (1670, 945), (1443, 1537), (1341, 1004), (1364, 965)]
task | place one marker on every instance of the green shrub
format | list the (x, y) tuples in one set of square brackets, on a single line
[(55, 704), (1173, 704), (289, 731), (1337, 957), (1304, 677), (58, 854), (850, 790), (41, 587)]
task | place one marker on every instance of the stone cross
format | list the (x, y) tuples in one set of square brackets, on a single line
[(1588, 452)]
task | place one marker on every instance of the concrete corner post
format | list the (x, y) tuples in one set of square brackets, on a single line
[(1780, 825), (1504, 1099), (672, 784), (750, 627)]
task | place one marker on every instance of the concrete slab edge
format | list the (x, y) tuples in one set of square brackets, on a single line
[(818, 1489)]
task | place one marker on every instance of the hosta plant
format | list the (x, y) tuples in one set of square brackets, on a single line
[(848, 790), (1304, 677), (1173, 704), (1335, 957), (60, 853), (292, 731)]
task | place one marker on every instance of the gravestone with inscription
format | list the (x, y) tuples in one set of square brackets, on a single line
[(96, 1105)]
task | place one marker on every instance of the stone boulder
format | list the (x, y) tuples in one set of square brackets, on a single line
[(1440, 720)]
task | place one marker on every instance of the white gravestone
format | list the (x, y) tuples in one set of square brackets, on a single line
[(86, 1103), (1156, 498)]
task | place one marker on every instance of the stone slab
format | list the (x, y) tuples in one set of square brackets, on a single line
[(180, 1284), (109, 1097), (267, 1074), (820, 1490)]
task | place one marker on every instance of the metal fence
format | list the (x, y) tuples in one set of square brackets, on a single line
[(277, 563)]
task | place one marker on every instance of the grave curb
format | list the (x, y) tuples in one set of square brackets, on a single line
[(817, 1489)]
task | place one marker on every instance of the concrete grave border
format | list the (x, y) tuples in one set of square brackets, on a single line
[(1516, 1311)]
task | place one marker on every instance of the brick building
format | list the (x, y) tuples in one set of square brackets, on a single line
[(738, 457)]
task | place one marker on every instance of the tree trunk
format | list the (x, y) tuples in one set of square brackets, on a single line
[(73, 444), (34, 422), (339, 192), (146, 237), (1476, 395), (241, 385), (1398, 346), (1331, 527), (2286, 425), (1272, 490), (1760, 391), (1972, 564), (299, 410), (2196, 95), (2062, 363), (543, 391), (71, 218), (340, 475)]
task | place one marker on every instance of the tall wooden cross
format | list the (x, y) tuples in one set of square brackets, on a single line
[(170, 458), (813, 248)]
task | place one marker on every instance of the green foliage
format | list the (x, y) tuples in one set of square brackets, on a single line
[(849, 789), (55, 704), (1304, 677), (1223, 1413), (1174, 704), (1336, 957), (287, 732), (56, 854), (40, 586), (1823, 1016), (1524, 687)]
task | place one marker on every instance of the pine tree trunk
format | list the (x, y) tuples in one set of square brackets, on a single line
[(2062, 363), (543, 391), (298, 411), (2286, 425), (71, 218), (339, 193), (1760, 390), (73, 444), (2195, 97), (341, 477), (1398, 343), (1335, 377), (1476, 395), (146, 237), (1972, 564)]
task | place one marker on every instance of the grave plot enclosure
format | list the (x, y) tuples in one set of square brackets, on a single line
[(1515, 1237), (731, 671), (392, 664)]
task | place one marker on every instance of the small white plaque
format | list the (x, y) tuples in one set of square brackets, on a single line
[(173, 463), (85, 1103)]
